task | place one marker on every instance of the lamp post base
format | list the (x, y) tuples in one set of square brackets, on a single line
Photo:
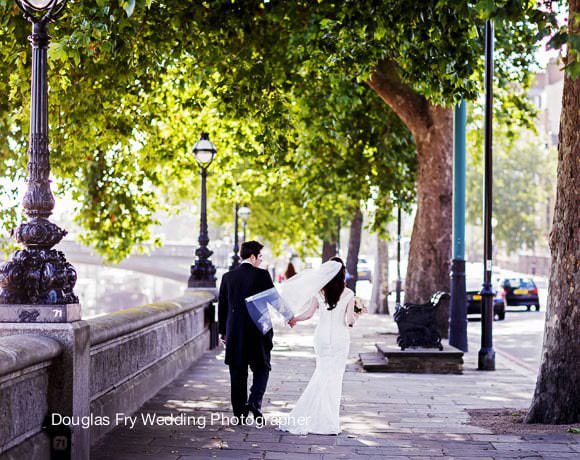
[(193, 283), (458, 313), (486, 359), (202, 275), (40, 313), (38, 274)]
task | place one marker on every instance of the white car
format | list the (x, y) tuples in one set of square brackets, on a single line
[(364, 272)]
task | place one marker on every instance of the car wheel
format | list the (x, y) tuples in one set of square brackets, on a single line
[(529, 307), (537, 307)]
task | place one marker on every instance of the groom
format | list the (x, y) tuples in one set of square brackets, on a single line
[(245, 343)]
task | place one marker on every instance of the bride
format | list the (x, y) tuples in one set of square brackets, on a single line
[(317, 409)]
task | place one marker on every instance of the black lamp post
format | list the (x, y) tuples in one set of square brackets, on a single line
[(244, 213), (486, 357), (38, 274), (398, 282), (203, 270), (338, 236), (235, 257)]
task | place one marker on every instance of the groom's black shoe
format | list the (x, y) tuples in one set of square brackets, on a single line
[(258, 416), (242, 418)]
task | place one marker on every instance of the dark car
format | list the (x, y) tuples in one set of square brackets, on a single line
[(363, 269), (473, 297), (520, 292)]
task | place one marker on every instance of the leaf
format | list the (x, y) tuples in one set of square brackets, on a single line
[(573, 69), (129, 7), (558, 40), (574, 430)]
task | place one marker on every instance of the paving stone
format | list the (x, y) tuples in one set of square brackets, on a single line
[(544, 447), (497, 438), (118, 456), (559, 455), (398, 451), (291, 456), (222, 454), (309, 440), (383, 416)]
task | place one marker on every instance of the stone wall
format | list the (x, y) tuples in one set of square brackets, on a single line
[(136, 352), (125, 358), (25, 375)]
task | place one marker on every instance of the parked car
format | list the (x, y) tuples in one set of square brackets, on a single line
[(363, 269), (474, 301), (520, 292)]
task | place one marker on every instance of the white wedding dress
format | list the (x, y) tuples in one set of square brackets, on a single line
[(317, 410)]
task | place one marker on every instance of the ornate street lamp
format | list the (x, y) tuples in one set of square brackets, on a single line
[(203, 270), (235, 257), (244, 213), (38, 274)]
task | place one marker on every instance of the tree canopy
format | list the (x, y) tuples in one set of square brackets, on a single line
[(279, 86)]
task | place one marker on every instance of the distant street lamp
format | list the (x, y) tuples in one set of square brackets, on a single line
[(338, 236), (486, 356), (244, 213), (235, 257), (398, 282), (203, 270), (38, 274)]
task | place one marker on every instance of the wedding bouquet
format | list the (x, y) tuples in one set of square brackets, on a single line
[(359, 306)]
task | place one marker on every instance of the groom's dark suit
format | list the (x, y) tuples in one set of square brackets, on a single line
[(245, 344)]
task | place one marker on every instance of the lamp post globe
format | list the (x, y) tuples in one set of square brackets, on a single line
[(40, 5), (41, 11), (204, 151), (203, 270), (244, 213)]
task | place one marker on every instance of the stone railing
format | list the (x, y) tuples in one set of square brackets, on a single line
[(92, 371), (26, 368)]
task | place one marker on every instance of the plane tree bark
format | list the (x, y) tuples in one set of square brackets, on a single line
[(557, 395)]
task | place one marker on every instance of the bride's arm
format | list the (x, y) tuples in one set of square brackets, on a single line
[(308, 313), (351, 316)]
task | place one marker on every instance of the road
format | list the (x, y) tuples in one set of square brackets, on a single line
[(519, 337)]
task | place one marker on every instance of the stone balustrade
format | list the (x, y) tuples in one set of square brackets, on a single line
[(95, 369), (25, 367)]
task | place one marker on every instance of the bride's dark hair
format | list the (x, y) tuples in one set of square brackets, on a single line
[(333, 289)]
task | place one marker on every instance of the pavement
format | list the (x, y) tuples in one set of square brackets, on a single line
[(418, 416)]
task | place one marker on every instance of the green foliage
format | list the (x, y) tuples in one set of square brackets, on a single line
[(571, 41), (524, 176), (278, 85)]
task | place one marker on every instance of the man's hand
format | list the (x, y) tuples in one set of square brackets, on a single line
[(223, 339), (292, 322)]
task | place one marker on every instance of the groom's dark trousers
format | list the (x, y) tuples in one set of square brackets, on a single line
[(245, 344)]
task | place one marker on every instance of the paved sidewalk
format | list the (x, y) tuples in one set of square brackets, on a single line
[(383, 415)]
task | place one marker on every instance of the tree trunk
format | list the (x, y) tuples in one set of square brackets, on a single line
[(353, 250), (328, 250), (430, 251), (432, 128), (379, 297), (557, 396)]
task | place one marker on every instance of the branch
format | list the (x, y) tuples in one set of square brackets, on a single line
[(411, 107)]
